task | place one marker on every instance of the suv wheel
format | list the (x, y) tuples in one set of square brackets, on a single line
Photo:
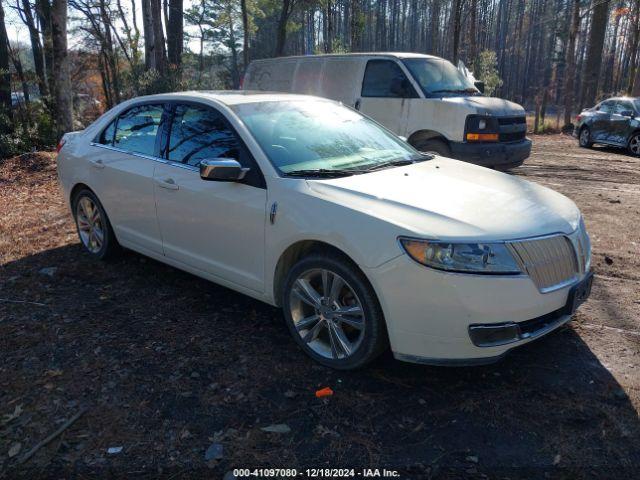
[(333, 313), (634, 145), (584, 139), (94, 228)]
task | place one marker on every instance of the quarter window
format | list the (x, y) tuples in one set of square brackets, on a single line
[(106, 137), (200, 133), (136, 129), (385, 78)]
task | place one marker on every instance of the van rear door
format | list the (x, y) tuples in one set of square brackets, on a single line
[(386, 93)]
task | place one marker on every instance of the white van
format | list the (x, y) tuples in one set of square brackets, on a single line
[(420, 97)]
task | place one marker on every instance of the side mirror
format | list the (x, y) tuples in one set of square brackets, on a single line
[(479, 85), (222, 170), (628, 113)]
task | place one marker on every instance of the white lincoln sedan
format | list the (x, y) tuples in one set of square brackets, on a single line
[(308, 205)]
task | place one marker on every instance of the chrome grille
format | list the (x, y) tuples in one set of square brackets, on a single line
[(551, 262)]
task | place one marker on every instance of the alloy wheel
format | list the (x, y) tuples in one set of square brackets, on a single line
[(327, 314), (634, 145), (90, 224), (584, 137)]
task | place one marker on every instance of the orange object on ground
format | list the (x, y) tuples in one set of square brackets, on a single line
[(324, 392)]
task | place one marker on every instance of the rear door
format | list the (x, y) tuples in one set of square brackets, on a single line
[(601, 124), (386, 93), (214, 227), (126, 154)]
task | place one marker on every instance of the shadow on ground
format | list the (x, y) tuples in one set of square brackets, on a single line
[(168, 364)]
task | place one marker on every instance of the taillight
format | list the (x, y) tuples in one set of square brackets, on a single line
[(60, 145), (579, 118)]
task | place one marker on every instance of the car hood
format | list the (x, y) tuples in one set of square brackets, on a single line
[(487, 105), (451, 200)]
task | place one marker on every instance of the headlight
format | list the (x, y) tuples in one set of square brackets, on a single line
[(461, 257), (481, 128)]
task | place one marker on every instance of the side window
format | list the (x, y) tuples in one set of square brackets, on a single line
[(106, 137), (136, 129), (201, 133), (607, 106), (623, 107), (385, 78)]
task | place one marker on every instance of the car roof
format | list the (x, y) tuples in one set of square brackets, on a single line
[(620, 98), (357, 54), (227, 97)]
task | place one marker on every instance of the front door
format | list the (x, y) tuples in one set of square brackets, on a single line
[(215, 227), (386, 95)]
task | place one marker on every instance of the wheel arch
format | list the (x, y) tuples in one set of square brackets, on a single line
[(424, 135), (76, 188), (298, 250)]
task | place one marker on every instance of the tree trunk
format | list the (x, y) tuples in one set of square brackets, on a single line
[(281, 34), (570, 59), (5, 76), (245, 30), (149, 42), (634, 49), (456, 17), (43, 8), (594, 52), (17, 64), (159, 50), (61, 80), (36, 48), (175, 32)]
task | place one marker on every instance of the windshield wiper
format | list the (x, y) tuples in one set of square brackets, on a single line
[(464, 90), (322, 172), (398, 163)]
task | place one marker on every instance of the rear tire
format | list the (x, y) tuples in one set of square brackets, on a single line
[(634, 144), (584, 138), (437, 147), (332, 312), (93, 226)]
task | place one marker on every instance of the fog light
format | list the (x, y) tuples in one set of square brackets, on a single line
[(493, 335)]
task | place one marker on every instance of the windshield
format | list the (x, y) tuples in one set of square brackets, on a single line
[(304, 135), (438, 77)]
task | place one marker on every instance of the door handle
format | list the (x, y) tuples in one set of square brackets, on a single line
[(357, 105), (97, 163), (168, 183)]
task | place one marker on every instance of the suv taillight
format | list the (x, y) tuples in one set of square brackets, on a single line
[(579, 118), (60, 145)]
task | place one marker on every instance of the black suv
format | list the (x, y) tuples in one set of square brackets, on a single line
[(615, 122)]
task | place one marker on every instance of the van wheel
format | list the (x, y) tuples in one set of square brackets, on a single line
[(333, 313), (584, 139), (436, 147), (94, 228)]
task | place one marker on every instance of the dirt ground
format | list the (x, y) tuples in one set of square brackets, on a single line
[(164, 364)]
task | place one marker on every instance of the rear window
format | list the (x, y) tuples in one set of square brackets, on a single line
[(136, 129)]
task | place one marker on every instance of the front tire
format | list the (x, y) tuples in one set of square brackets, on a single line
[(436, 147), (584, 138), (93, 226), (333, 312), (634, 145)]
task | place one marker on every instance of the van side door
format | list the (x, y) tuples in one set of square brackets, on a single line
[(386, 93)]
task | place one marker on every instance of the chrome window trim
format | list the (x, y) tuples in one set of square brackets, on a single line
[(147, 157)]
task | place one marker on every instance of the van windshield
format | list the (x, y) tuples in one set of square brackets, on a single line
[(322, 137), (438, 77)]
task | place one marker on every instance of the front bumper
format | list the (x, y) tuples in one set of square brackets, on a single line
[(429, 313), (500, 155)]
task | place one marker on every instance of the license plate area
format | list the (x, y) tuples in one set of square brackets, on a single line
[(579, 294)]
